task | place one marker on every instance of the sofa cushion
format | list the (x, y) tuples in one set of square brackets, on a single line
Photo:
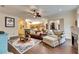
[(32, 31), (50, 38), (50, 32)]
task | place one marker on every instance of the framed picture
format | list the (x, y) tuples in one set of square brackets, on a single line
[(9, 22)]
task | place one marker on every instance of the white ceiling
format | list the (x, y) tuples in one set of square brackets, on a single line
[(54, 9), (47, 10)]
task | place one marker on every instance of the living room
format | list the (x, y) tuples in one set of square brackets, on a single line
[(39, 29)]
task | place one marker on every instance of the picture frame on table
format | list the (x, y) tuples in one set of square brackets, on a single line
[(9, 22)]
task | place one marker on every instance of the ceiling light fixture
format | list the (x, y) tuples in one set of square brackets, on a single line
[(36, 12)]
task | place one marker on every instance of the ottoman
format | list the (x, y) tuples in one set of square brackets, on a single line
[(52, 41)]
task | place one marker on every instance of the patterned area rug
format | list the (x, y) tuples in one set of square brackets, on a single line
[(23, 47)]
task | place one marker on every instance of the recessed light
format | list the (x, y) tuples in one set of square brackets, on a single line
[(60, 9)]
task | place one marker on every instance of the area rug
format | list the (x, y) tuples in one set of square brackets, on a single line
[(24, 47)]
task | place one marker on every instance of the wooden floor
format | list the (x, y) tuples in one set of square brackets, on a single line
[(43, 48)]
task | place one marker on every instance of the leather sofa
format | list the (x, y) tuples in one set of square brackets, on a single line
[(36, 36)]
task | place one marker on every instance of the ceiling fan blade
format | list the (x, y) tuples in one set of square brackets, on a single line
[(29, 11)]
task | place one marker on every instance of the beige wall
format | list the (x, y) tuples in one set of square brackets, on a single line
[(78, 27), (61, 24), (69, 18), (78, 17), (12, 31)]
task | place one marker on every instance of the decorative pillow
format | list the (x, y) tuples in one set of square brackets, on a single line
[(38, 33), (32, 31), (50, 32)]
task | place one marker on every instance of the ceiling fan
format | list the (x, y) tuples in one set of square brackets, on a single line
[(35, 12)]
